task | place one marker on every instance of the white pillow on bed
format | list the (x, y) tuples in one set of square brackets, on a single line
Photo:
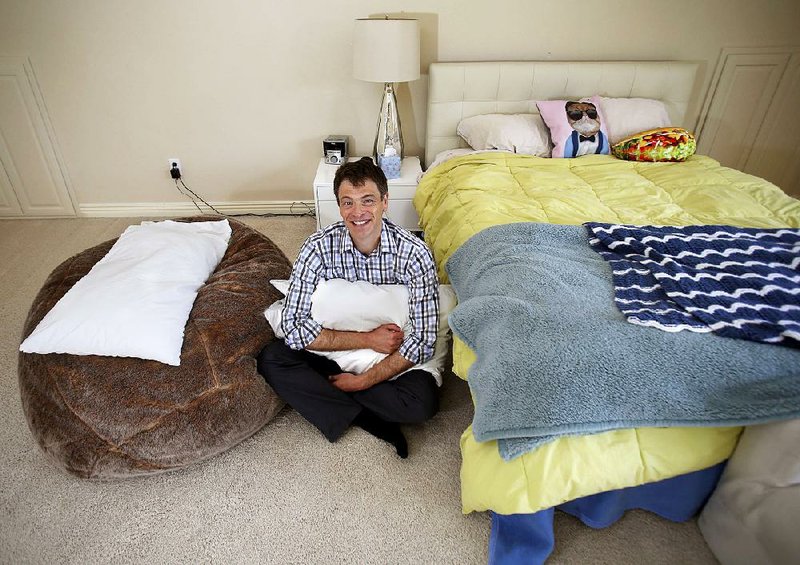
[(136, 300), (520, 133), (627, 116), (361, 306)]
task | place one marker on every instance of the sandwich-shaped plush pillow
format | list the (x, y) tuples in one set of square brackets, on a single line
[(663, 144)]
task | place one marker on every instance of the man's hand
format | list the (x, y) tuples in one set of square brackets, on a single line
[(392, 365), (386, 338), (348, 382)]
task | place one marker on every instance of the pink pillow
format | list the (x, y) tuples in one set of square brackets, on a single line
[(576, 127)]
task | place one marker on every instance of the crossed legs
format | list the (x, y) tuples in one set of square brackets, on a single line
[(301, 379)]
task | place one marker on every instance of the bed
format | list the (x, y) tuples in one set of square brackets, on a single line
[(466, 193)]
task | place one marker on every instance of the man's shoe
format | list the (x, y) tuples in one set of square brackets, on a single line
[(387, 431)]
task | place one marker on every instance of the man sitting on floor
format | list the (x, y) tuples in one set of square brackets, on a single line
[(366, 247)]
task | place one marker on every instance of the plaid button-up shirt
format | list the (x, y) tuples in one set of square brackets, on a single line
[(400, 258)]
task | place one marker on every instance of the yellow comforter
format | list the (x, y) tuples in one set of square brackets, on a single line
[(463, 195)]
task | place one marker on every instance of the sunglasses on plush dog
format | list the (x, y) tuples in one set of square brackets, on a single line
[(573, 114)]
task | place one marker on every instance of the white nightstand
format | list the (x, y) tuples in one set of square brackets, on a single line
[(401, 191)]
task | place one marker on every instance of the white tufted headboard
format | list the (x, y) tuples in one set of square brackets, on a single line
[(461, 90)]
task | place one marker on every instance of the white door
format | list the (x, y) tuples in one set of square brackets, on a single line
[(750, 120), (32, 182)]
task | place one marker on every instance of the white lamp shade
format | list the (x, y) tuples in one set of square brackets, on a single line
[(386, 50)]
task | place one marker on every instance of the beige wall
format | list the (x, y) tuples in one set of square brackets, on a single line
[(243, 91)]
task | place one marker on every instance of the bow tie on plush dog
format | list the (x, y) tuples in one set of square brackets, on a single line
[(587, 138)]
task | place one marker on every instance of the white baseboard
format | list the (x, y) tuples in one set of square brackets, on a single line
[(161, 209)]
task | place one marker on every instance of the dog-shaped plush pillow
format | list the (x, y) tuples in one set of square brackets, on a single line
[(576, 127), (586, 137)]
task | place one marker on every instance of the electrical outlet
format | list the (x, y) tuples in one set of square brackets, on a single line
[(171, 164)]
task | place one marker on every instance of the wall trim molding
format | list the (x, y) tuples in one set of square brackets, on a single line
[(160, 209)]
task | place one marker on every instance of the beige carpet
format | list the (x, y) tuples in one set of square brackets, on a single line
[(286, 495)]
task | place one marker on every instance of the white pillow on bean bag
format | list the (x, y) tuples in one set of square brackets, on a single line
[(136, 300), (338, 304)]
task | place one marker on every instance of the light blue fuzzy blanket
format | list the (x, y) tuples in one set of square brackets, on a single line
[(555, 356)]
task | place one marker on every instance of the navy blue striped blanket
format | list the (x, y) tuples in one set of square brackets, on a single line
[(737, 282)]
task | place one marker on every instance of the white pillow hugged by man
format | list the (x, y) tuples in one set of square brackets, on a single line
[(338, 304)]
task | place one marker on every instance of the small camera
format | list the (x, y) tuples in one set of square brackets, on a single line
[(334, 149)]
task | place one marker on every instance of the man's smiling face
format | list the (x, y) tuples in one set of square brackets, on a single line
[(362, 208)]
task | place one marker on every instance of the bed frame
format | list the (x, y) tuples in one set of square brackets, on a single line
[(460, 90)]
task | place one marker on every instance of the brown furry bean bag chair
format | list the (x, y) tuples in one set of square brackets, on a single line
[(109, 417)]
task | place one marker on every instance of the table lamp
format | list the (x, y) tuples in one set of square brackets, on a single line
[(387, 50)]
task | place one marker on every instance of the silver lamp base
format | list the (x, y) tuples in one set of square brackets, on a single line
[(388, 148)]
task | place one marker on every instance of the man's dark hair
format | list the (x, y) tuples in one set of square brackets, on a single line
[(357, 173)]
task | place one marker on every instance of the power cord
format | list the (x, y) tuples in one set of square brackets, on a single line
[(175, 173), (179, 179)]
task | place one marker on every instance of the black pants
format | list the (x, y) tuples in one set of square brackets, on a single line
[(301, 379)]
